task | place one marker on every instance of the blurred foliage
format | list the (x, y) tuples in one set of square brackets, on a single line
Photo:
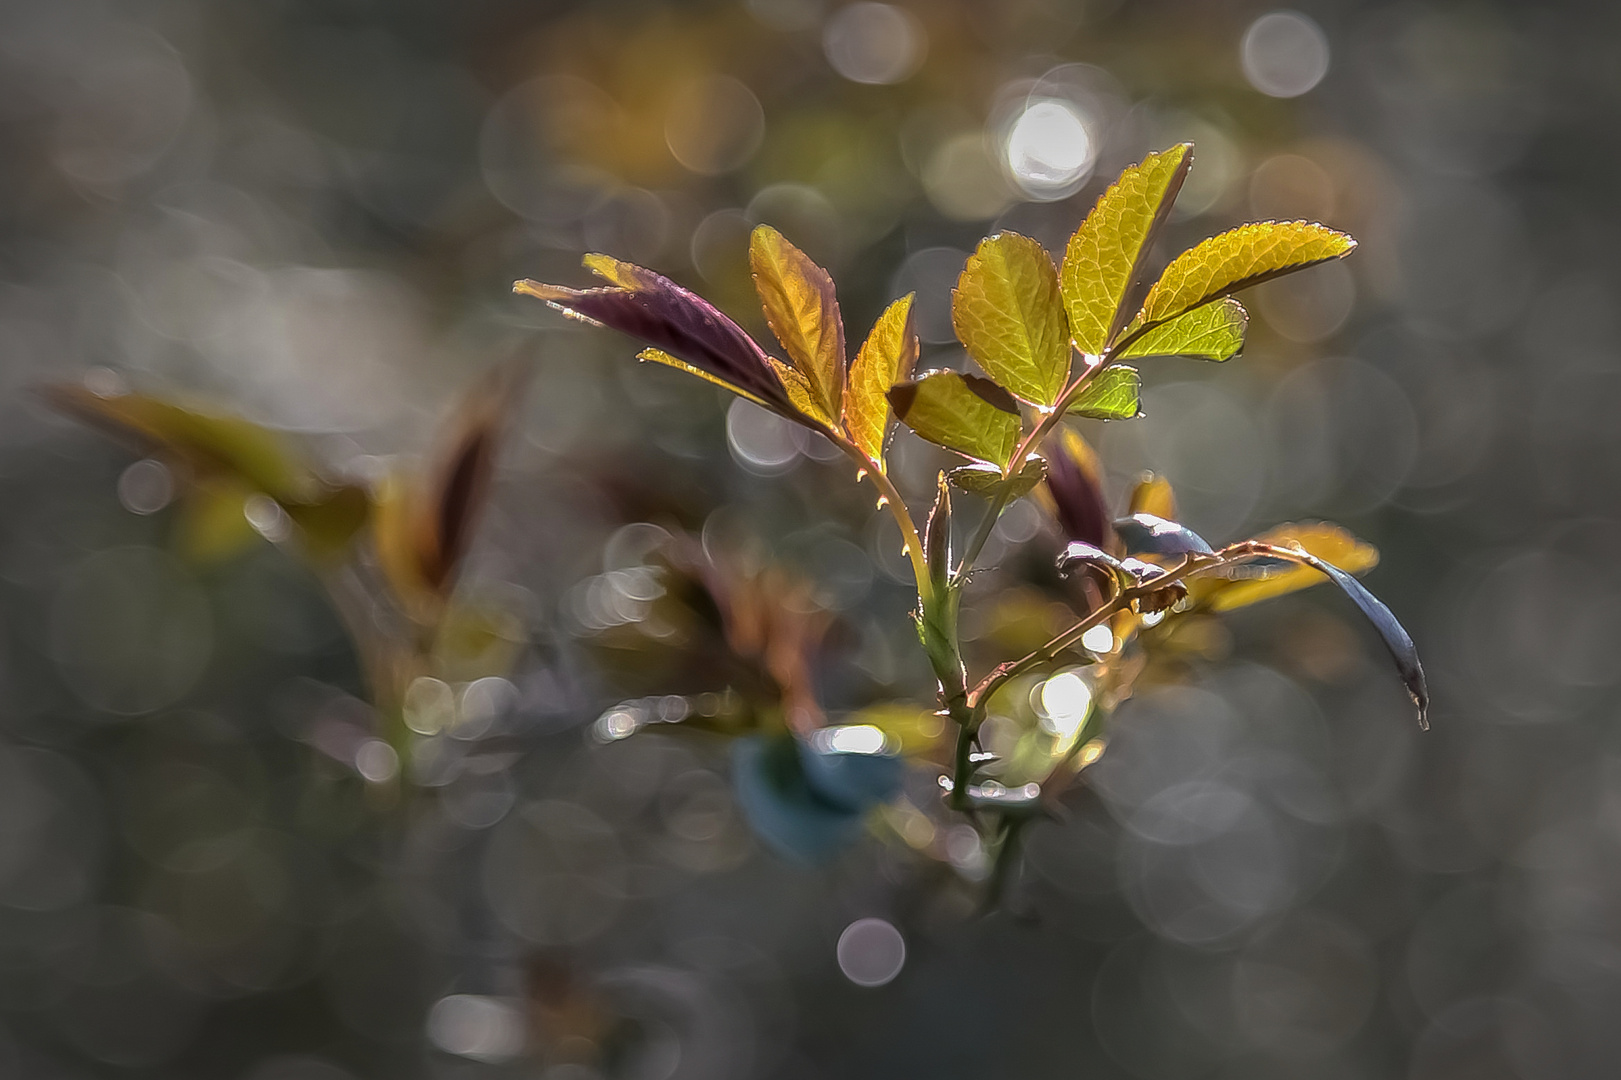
[(307, 214)]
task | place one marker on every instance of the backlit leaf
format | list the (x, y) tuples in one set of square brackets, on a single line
[(1237, 259), (676, 321), (1212, 332), (1105, 256), (887, 357), (983, 480), (803, 312), (1115, 393), (1153, 495), (965, 413), (1263, 579), (1008, 311), (800, 392)]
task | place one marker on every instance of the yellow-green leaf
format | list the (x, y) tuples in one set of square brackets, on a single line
[(327, 527), (212, 524), (983, 480), (965, 413), (659, 356), (1237, 259), (1114, 394), (800, 392), (1105, 256), (1008, 311), (803, 312), (1212, 332), (886, 358), (212, 443), (1328, 542), (1153, 495)]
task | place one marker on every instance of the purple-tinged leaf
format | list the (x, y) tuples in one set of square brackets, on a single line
[(654, 309), (1074, 480)]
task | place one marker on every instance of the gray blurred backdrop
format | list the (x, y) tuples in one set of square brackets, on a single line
[(310, 211)]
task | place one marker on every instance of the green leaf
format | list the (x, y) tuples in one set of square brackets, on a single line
[(1008, 311), (886, 358), (1114, 394), (1237, 259), (803, 312), (1105, 256), (983, 480), (1212, 332), (965, 413)]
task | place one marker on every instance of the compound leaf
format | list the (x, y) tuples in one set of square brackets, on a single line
[(1008, 311)]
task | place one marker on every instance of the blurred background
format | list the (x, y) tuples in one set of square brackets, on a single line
[(311, 211)]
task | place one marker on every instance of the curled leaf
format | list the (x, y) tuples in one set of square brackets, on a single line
[(1146, 534), (1007, 311), (1395, 637), (1212, 332), (965, 413), (424, 525), (803, 311), (887, 357), (1261, 579), (1105, 256)]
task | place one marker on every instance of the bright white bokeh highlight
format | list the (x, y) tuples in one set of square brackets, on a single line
[(1284, 54), (1050, 149)]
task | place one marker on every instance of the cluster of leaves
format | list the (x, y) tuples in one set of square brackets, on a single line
[(1052, 341), (387, 549)]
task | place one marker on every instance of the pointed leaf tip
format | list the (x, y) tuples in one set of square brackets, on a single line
[(1008, 311), (1105, 256), (1395, 637), (887, 357), (803, 311), (1237, 259)]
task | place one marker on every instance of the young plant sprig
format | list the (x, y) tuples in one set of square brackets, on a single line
[(1052, 341)]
